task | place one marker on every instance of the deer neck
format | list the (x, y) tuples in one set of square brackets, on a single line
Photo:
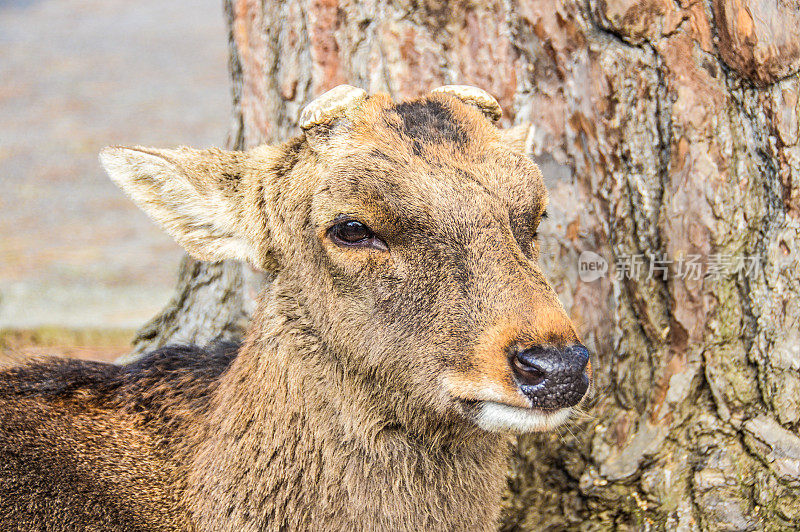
[(289, 443)]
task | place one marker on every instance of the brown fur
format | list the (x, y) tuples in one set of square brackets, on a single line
[(351, 404)]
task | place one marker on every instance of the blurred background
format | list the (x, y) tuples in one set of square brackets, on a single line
[(77, 75)]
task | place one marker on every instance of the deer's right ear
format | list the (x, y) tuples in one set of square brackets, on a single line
[(199, 197), (519, 138)]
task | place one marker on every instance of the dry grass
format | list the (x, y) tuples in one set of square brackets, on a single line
[(89, 344)]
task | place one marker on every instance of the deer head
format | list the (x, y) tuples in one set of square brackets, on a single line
[(406, 234)]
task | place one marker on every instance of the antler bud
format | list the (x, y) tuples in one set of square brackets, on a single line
[(330, 105), (474, 96)]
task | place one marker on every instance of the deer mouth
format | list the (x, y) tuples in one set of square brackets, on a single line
[(509, 408), (500, 417)]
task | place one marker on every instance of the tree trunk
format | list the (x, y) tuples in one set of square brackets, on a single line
[(668, 136)]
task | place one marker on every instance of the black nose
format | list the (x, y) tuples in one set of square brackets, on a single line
[(552, 377)]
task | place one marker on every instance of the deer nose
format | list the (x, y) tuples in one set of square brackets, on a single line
[(551, 377)]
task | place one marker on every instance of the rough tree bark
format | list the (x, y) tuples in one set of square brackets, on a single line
[(667, 130)]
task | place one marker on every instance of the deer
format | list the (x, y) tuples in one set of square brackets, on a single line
[(407, 336)]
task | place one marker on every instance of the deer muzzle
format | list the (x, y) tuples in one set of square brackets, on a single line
[(551, 377)]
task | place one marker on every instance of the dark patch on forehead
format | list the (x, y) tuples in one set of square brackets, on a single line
[(428, 122)]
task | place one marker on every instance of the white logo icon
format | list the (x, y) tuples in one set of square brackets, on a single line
[(591, 266)]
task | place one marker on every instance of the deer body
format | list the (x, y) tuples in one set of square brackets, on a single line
[(322, 460), (385, 369), (255, 456)]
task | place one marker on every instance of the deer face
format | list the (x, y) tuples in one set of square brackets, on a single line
[(406, 232)]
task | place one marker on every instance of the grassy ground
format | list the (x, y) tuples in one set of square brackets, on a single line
[(89, 344)]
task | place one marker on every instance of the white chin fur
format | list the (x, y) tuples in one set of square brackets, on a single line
[(497, 417)]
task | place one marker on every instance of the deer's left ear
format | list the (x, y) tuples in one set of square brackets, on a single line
[(519, 138), (199, 197)]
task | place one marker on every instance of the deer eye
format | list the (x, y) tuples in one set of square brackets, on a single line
[(352, 233)]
